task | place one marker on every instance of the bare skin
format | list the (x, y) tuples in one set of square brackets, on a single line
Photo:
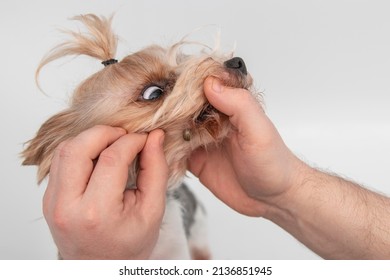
[(258, 175), (92, 216), (88, 210)]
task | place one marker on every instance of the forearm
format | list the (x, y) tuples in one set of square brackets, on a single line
[(335, 218)]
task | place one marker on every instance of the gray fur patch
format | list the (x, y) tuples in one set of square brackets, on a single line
[(189, 205)]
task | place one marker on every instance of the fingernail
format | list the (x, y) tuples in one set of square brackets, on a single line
[(121, 130), (216, 85)]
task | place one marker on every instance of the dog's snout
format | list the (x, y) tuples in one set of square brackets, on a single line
[(236, 63)]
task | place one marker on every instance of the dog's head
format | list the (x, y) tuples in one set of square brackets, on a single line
[(153, 88)]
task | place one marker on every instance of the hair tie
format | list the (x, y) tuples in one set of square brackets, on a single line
[(109, 61)]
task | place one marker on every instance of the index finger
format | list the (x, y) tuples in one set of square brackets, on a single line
[(72, 163), (109, 178)]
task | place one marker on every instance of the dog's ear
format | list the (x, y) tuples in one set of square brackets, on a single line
[(40, 149)]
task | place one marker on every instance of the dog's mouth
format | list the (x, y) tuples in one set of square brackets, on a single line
[(235, 75), (205, 114), (206, 119)]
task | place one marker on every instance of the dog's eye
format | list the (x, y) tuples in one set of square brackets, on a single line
[(152, 93)]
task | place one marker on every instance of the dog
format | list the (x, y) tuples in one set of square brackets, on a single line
[(156, 87)]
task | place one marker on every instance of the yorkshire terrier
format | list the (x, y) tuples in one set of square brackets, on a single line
[(155, 87)]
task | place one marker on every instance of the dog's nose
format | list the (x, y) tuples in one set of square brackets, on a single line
[(236, 63)]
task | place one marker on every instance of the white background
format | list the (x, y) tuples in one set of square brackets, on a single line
[(323, 66)]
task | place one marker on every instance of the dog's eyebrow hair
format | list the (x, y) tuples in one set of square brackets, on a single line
[(113, 97)]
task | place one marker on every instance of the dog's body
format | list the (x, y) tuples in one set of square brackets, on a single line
[(183, 232), (153, 88)]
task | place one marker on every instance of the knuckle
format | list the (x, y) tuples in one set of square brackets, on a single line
[(58, 218), (110, 157), (65, 149), (64, 221), (90, 219), (100, 128)]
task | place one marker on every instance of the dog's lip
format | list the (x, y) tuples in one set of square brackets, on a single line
[(229, 79), (233, 79), (205, 113)]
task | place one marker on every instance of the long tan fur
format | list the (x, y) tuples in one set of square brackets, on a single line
[(100, 42), (113, 96)]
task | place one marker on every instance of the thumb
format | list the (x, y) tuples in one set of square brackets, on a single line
[(239, 104), (152, 178)]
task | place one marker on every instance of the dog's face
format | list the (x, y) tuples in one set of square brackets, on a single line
[(153, 88)]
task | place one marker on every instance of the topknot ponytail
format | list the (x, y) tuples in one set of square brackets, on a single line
[(99, 42)]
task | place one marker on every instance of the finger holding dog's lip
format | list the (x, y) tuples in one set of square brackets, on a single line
[(109, 177)]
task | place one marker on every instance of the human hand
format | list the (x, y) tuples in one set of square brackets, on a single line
[(90, 213), (252, 167)]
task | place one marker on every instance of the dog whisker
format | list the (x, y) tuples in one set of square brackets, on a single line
[(155, 87)]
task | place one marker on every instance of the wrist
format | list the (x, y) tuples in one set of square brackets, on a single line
[(331, 216), (284, 207), (295, 175), (300, 210)]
